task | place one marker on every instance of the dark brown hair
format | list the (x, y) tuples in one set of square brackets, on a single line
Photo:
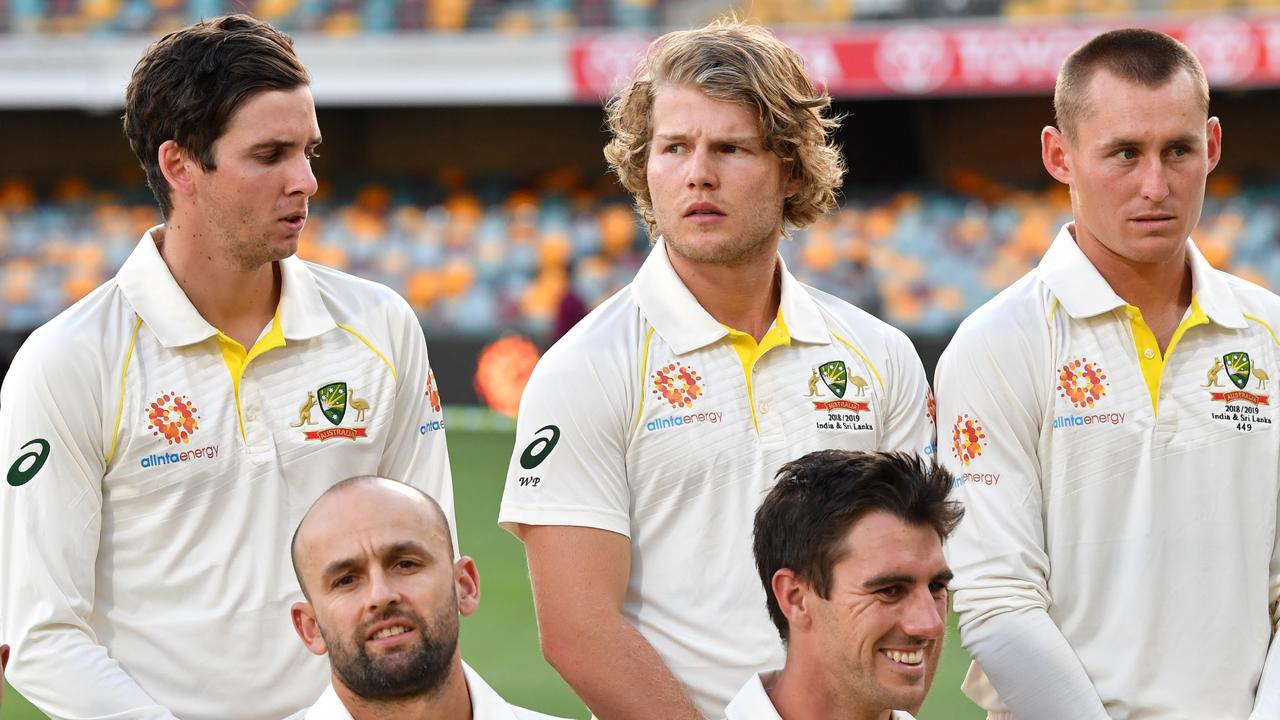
[(802, 523), (190, 82)]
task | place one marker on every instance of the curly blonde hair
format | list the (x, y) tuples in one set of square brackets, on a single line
[(735, 62)]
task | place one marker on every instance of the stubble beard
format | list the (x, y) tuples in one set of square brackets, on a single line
[(754, 241), (417, 672)]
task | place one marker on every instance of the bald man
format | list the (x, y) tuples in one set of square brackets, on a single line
[(383, 594)]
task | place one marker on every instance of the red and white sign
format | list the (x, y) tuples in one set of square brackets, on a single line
[(961, 59)]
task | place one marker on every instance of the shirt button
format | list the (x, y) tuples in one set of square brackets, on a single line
[(763, 405), (251, 415), (1148, 353)]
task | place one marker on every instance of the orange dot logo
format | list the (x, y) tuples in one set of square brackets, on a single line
[(433, 395), (967, 439), (931, 406), (1082, 382), (678, 385), (173, 416)]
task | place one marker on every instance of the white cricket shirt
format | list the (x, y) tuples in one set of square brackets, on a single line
[(1130, 496), (486, 704), (752, 701), (652, 420), (156, 472)]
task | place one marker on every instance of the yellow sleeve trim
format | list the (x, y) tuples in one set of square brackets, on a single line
[(865, 359), (1264, 324), (644, 377), (115, 431), (375, 350)]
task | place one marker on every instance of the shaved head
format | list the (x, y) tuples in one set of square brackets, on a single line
[(329, 510), (375, 559)]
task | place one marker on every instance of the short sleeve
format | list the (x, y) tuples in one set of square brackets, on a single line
[(568, 466)]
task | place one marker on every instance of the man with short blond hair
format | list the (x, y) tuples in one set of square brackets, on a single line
[(1112, 432), (650, 432)]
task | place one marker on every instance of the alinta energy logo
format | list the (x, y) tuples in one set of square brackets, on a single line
[(175, 418), (1082, 382), (433, 397), (678, 385), (968, 438)]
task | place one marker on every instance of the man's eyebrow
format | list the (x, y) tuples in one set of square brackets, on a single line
[(406, 547), (280, 144), (1123, 142), (732, 140), (885, 580), (904, 579), (337, 567)]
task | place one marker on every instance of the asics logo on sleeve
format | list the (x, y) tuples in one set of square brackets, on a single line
[(540, 448), (29, 463)]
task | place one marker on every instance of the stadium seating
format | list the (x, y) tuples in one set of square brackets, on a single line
[(346, 17), (483, 257)]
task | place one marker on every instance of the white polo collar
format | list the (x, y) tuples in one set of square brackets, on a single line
[(1084, 293), (752, 701), (686, 326), (155, 295)]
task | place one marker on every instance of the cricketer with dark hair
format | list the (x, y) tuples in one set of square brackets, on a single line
[(1111, 428), (162, 437), (849, 550)]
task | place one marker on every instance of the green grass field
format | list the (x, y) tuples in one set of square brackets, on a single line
[(501, 639)]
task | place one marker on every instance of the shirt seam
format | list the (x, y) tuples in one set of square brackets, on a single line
[(124, 373), (375, 350)]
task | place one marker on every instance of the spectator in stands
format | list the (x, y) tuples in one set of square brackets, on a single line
[(849, 549), (383, 589), (1120, 553)]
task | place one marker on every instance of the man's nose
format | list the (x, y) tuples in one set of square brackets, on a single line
[(925, 616), (701, 171)]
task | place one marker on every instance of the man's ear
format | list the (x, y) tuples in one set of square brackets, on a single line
[(793, 596), (178, 167), (1214, 142), (466, 580), (304, 622), (1055, 154)]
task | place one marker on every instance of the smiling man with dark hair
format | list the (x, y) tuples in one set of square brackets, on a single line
[(848, 546)]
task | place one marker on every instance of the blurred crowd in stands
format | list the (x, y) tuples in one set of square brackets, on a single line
[(481, 257), (343, 17)]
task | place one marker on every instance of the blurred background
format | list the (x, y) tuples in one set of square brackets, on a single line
[(462, 166)]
